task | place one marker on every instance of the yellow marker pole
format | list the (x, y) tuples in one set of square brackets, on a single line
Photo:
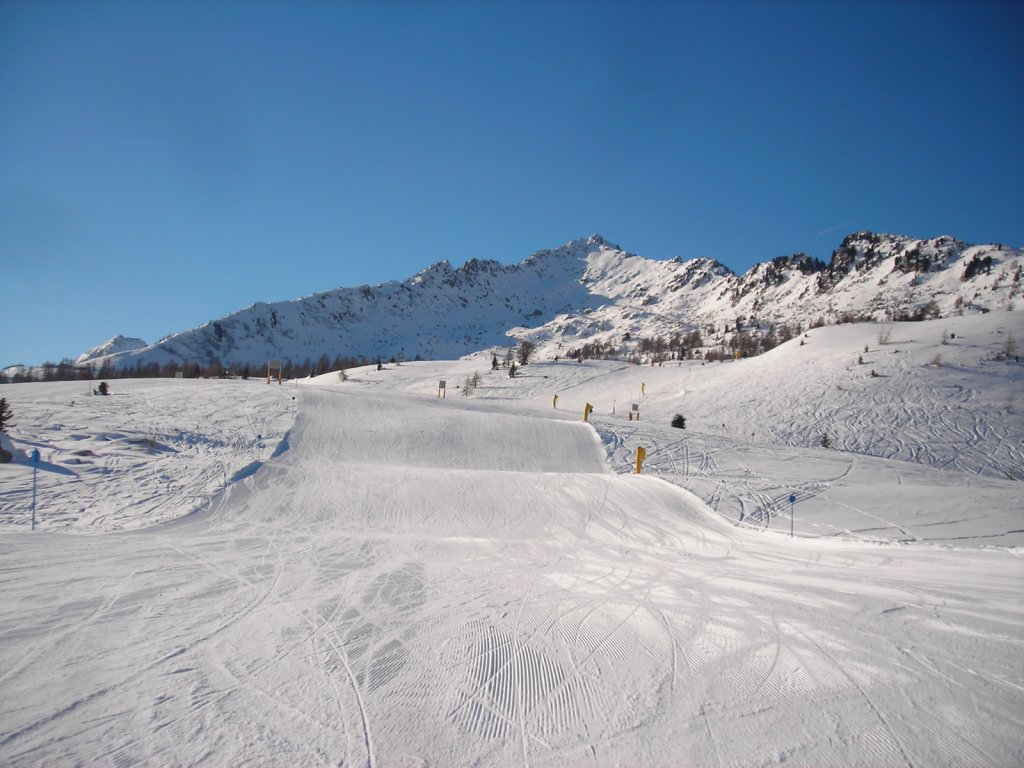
[(586, 411), (643, 389), (640, 455), (554, 401)]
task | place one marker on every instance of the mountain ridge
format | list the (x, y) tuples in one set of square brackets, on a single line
[(591, 291)]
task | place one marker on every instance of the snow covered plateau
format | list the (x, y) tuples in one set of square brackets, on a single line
[(359, 572)]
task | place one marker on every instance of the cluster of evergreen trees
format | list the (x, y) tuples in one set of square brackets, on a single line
[(975, 267), (67, 370), (748, 338)]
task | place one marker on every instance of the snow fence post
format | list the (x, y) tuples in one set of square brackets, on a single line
[(35, 466), (792, 504), (641, 454)]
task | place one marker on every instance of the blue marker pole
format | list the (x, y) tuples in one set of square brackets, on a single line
[(35, 465), (792, 503)]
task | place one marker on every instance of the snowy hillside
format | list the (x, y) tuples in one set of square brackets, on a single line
[(590, 291), (114, 346), (151, 451), (361, 572), (945, 408), (410, 580), (941, 412)]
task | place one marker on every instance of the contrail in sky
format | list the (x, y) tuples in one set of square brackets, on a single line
[(837, 226)]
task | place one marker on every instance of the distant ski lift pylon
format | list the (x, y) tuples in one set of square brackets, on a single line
[(274, 365)]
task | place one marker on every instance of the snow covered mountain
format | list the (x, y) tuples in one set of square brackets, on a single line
[(114, 346), (590, 291)]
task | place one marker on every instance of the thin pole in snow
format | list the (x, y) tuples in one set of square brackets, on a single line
[(35, 466), (792, 504)]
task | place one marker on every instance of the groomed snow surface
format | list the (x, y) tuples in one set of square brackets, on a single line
[(388, 578)]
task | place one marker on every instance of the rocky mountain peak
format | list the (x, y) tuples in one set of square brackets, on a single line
[(591, 292), (116, 345)]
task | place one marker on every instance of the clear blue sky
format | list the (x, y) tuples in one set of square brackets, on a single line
[(162, 164)]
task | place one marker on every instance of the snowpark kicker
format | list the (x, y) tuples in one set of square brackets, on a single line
[(415, 583)]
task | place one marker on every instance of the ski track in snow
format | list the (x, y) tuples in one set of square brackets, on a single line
[(152, 451), (478, 588)]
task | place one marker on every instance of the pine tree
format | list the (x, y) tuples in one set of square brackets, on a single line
[(525, 351), (5, 415), (1010, 346)]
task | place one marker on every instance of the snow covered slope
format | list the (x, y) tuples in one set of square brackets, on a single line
[(152, 450), (942, 393), (114, 346), (591, 291), (451, 582), (391, 578), (943, 411)]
